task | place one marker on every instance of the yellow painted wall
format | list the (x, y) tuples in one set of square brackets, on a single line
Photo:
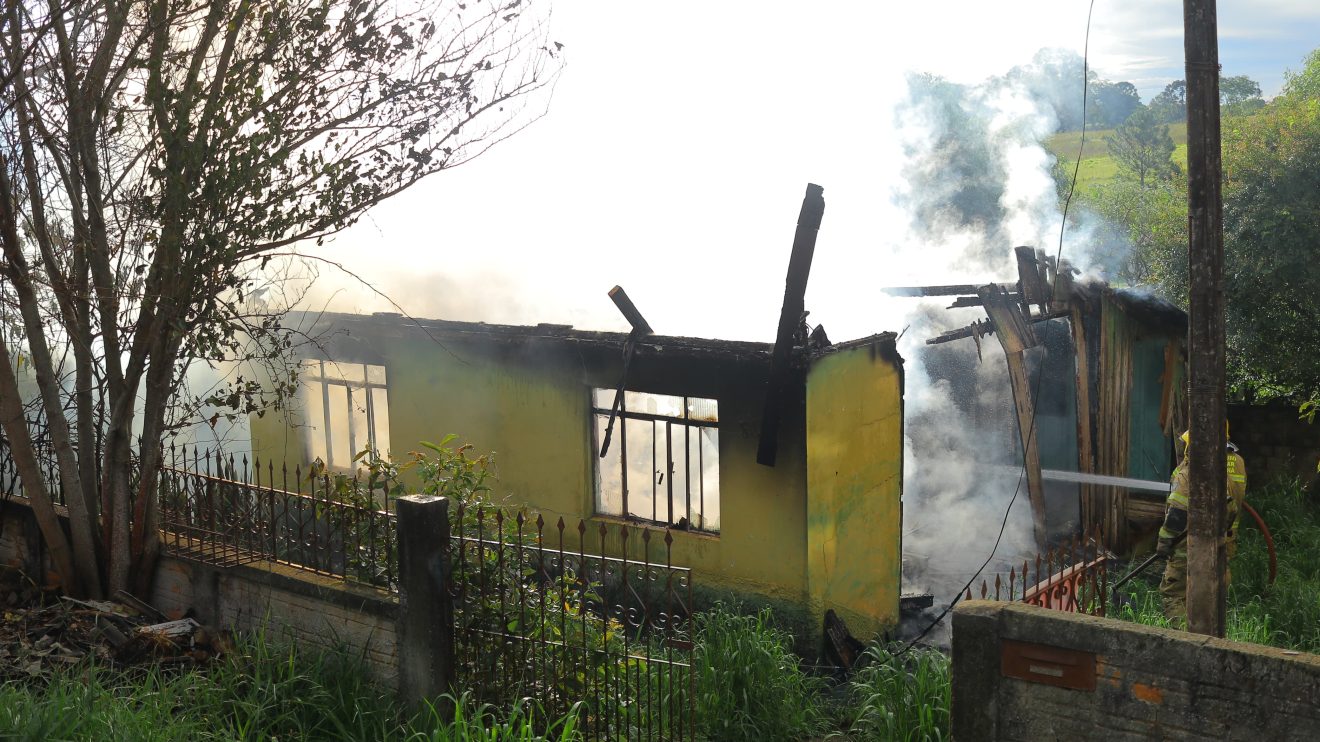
[(855, 485), (530, 404)]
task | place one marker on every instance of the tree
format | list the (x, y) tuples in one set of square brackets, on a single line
[(1239, 96), (1271, 227), (158, 154), (1112, 103), (1142, 146), (1170, 106)]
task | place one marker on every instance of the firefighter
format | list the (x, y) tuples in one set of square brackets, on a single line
[(1173, 588)]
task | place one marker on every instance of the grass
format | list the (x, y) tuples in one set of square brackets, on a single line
[(266, 690), (750, 685), (900, 697), (1097, 165), (1286, 614)]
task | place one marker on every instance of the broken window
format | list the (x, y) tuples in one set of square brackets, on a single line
[(346, 411), (663, 462)]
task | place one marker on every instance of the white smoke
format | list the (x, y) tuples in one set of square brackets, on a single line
[(977, 183)]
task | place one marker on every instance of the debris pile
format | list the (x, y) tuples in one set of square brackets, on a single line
[(42, 631)]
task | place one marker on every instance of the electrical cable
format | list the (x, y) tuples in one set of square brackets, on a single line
[(1040, 373)]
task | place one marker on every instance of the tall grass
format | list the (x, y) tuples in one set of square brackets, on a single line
[(266, 690), (750, 685), (900, 697)]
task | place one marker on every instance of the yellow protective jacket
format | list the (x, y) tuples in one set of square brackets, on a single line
[(1175, 508)]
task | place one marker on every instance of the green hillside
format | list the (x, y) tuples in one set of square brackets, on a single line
[(1097, 166)]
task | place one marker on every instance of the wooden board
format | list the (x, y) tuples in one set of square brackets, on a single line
[(1022, 401)]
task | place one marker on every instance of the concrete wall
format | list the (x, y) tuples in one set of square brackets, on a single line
[(1274, 442), (1027, 673), (855, 486), (308, 609)]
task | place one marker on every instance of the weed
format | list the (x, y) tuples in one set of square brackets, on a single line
[(900, 697), (750, 685)]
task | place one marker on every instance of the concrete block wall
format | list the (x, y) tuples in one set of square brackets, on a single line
[(1027, 673), (1274, 442), (310, 609)]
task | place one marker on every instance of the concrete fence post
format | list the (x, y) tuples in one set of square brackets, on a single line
[(426, 610)]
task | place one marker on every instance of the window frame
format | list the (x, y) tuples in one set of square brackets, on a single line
[(314, 372), (621, 436)]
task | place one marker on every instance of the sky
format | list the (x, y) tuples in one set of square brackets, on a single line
[(674, 152)]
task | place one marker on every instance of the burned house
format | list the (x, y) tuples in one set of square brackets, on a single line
[(818, 530), (1098, 380)]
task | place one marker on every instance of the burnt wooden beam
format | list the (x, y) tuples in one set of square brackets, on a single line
[(1028, 277), (1015, 335), (790, 318), (966, 301), (1014, 332), (629, 311), (980, 327), (1024, 404), (1045, 269), (986, 327)]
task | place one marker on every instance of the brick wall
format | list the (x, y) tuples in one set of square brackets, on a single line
[(1027, 673), (1274, 442), (310, 609)]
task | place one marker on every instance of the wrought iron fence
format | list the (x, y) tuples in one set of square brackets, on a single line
[(1073, 577), (221, 511), (11, 483), (540, 612)]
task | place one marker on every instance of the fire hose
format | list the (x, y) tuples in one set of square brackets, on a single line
[(1264, 529), (1269, 542)]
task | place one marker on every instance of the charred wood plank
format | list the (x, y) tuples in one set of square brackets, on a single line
[(629, 311), (1028, 278), (1024, 403), (1011, 324), (790, 319)]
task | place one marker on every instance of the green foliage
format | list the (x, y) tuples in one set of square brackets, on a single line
[(1271, 228), (1142, 239), (897, 697), (750, 685), (1142, 146), (1171, 104), (1304, 85), (264, 691), (1271, 163), (1111, 103), (1238, 90)]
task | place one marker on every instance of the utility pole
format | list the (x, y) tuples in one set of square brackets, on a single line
[(1206, 557)]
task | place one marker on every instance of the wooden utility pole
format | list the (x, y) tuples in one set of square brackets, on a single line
[(1206, 557)]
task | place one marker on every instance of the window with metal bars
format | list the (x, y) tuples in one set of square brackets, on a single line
[(663, 462), (346, 411)]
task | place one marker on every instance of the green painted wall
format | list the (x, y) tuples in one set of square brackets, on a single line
[(854, 485), (1148, 447), (529, 403)]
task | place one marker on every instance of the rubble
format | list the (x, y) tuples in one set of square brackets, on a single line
[(42, 632)]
